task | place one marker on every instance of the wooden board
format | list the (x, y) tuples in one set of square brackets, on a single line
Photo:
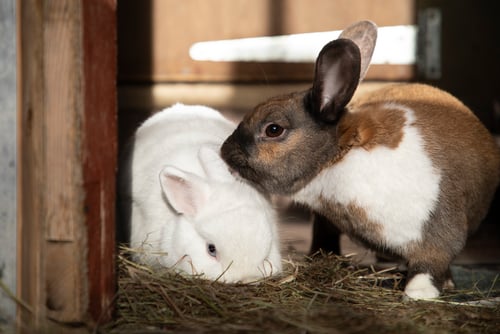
[(30, 129), (67, 140), (100, 152), (155, 35)]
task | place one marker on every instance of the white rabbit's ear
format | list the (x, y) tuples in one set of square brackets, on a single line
[(186, 192), (213, 165), (364, 34)]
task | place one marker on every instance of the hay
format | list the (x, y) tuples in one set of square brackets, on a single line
[(320, 294)]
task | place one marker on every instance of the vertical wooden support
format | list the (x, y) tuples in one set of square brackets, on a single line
[(68, 158), (30, 191), (100, 150)]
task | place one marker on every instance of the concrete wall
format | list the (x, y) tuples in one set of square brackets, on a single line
[(8, 159)]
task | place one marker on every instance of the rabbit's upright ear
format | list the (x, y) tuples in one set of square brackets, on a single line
[(336, 79), (186, 192), (364, 34), (213, 165)]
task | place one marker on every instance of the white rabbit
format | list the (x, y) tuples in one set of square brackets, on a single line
[(186, 210), (407, 169)]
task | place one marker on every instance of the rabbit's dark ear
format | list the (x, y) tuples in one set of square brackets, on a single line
[(336, 78)]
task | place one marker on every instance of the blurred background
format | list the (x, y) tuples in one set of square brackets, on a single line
[(452, 44)]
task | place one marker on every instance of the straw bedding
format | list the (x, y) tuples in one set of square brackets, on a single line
[(324, 293)]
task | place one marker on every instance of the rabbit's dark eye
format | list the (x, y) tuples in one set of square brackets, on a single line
[(212, 251), (274, 130)]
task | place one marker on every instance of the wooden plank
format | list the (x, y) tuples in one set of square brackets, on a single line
[(205, 71), (52, 198), (156, 46), (100, 151), (62, 116), (67, 125), (63, 111), (30, 131), (216, 95), (220, 95)]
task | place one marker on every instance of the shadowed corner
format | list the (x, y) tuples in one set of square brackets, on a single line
[(135, 42), (123, 195)]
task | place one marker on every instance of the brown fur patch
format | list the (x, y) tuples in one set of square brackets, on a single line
[(370, 126), (412, 93), (353, 220)]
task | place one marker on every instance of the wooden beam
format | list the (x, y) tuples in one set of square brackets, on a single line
[(67, 124), (32, 158), (100, 151)]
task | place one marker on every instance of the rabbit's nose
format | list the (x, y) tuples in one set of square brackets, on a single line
[(234, 172), (187, 259), (265, 270)]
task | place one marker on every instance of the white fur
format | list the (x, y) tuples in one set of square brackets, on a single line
[(183, 197), (421, 287), (398, 188)]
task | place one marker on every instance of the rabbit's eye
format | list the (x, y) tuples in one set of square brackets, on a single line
[(212, 251), (274, 130)]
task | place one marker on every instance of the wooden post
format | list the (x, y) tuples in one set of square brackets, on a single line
[(67, 146), (100, 150)]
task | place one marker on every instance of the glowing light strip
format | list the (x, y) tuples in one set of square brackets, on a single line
[(395, 45)]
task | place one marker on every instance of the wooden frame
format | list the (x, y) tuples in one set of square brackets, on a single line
[(67, 150)]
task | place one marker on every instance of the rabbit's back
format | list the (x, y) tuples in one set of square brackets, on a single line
[(416, 151), (172, 135)]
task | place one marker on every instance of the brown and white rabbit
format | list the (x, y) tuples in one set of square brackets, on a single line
[(407, 169)]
